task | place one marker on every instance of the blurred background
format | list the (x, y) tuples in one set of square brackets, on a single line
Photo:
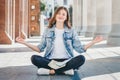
[(28, 18), (90, 18)]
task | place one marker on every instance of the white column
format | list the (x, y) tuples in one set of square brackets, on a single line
[(103, 8), (80, 16), (77, 15), (91, 18), (73, 16), (84, 17), (114, 37)]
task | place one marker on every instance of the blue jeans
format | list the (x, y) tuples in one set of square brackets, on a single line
[(74, 63)]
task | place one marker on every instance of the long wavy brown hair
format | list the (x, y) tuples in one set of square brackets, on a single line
[(53, 19)]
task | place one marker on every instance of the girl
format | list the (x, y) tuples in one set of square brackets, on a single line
[(59, 39)]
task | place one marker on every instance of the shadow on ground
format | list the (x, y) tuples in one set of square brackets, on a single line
[(100, 67), (104, 46), (18, 73), (26, 49), (19, 49), (90, 68)]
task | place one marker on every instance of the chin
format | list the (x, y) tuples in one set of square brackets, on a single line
[(61, 21)]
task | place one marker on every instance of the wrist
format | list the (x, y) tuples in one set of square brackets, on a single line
[(24, 43), (93, 42)]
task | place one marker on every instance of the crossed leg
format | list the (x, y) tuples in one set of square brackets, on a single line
[(42, 62)]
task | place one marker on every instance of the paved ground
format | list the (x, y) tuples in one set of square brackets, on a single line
[(102, 62)]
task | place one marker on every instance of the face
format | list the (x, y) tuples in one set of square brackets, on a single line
[(61, 16)]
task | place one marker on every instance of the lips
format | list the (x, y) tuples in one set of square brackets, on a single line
[(60, 18)]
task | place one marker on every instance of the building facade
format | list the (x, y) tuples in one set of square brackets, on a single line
[(18, 18), (98, 17), (89, 17)]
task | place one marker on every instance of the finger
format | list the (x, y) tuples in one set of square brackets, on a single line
[(17, 38)]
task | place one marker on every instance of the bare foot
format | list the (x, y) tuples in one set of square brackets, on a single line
[(52, 71)]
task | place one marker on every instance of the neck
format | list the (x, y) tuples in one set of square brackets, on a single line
[(59, 25)]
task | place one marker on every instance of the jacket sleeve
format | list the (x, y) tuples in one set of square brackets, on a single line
[(43, 42), (76, 43)]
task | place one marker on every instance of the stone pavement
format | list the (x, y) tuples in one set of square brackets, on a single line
[(102, 62)]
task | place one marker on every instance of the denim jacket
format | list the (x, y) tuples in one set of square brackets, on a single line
[(70, 39)]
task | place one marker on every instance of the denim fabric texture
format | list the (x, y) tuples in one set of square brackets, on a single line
[(70, 38)]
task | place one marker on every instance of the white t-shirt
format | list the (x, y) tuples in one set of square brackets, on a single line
[(59, 51)]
